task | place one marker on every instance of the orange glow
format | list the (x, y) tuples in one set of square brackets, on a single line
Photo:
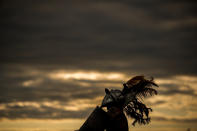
[(82, 75)]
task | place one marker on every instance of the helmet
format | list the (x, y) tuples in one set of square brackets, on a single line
[(113, 97)]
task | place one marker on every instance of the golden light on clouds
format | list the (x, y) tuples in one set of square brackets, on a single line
[(31, 82), (40, 125), (81, 104), (57, 58), (177, 79), (75, 105), (173, 102), (86, 75), (182, 81)]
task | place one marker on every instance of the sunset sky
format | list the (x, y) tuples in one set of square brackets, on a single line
[(57, 57)]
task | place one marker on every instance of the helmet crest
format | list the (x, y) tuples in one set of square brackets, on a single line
[(129, 98)]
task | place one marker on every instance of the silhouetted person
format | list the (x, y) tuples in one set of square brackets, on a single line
[(118, 102), (188, 129), (118, 120)]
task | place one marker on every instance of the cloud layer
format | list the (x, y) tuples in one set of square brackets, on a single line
[(57, 57)]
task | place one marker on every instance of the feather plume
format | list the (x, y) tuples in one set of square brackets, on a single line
[(140, 88)]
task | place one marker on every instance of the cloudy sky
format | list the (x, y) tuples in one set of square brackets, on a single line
[(57, 57)]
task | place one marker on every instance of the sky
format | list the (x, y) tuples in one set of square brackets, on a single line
[(57, 57)]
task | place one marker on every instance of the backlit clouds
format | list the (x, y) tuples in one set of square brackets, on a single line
[(57, 57), (80, 75), (76, 91)]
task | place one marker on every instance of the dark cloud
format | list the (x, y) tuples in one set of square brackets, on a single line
[(153, 37), (44, 112), (156, 102), (148, 37), (194, 120), (172, 89), (48, 90)]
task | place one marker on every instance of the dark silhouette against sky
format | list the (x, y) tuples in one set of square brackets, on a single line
[(55, 54)]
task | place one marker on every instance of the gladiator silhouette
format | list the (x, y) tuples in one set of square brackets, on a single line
[(119, 103)]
